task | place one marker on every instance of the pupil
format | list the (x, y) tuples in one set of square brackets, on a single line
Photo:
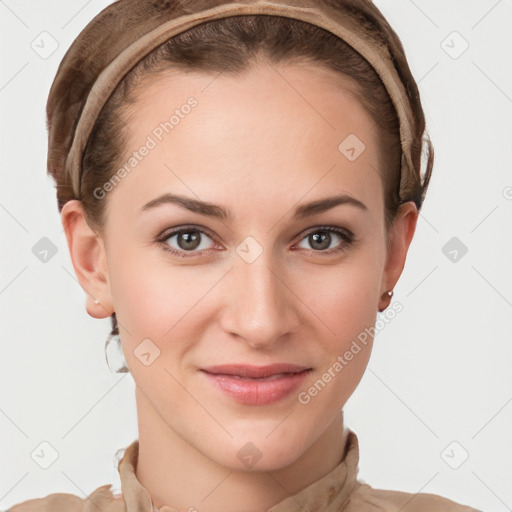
[(188, 241), (317, 239)]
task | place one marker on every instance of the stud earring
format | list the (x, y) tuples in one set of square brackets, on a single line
[(389, 295)]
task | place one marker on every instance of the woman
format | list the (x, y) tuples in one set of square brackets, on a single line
[(239, 183)]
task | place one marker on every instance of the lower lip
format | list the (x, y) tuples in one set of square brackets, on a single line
[(255, 391)]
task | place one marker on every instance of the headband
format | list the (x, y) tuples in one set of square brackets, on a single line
[(335, 20)]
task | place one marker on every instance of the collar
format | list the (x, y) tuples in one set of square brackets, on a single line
[(328, 494)]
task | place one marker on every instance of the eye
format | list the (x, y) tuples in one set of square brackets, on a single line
[(321, 238), (186, 240), (191, 240)]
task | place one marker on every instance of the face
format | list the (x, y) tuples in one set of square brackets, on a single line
[(254, 277)]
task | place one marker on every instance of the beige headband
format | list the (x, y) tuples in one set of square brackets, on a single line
[(327, 18)]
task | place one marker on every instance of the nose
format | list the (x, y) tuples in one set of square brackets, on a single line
[(261, 307)]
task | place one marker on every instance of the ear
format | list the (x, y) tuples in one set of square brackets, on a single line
[(87, 253), (400, 237)]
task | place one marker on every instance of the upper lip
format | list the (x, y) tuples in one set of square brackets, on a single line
[(255, 372)]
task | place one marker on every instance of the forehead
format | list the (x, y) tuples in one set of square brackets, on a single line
[(264, 132)]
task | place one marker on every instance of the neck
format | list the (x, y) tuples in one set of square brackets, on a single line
[(176, 474)]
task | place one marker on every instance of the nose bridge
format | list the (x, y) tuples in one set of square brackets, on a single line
[(260, 307)]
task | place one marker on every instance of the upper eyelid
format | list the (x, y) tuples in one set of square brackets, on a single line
[(175, 231)]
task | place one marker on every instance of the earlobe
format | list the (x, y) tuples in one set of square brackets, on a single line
[(400, 238), (88, 257)]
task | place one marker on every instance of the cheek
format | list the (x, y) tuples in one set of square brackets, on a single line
[(346, 312), (156, 301), (345, 304), (345, 297)]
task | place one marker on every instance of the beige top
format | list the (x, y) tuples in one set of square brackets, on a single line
[(338, 491)]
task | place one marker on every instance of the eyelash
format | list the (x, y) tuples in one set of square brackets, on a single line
[(345, 235)]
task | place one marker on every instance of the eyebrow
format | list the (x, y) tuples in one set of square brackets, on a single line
[(219, 212)]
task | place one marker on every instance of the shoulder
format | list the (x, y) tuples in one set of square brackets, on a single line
[(58, 501), (366, 497), (101, 499)]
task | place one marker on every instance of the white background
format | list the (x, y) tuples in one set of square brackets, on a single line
[(440, 371)]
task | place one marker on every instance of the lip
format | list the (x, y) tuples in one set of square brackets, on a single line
[(255, 372), (256, 385)]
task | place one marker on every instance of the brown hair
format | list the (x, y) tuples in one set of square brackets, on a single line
[(232, 45)]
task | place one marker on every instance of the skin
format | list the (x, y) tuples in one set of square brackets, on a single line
[(258, 144)]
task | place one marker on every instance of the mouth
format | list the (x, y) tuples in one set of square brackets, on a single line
[(270, 372), (253, 385)]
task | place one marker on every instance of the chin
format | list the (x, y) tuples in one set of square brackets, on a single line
[(256, 451)]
